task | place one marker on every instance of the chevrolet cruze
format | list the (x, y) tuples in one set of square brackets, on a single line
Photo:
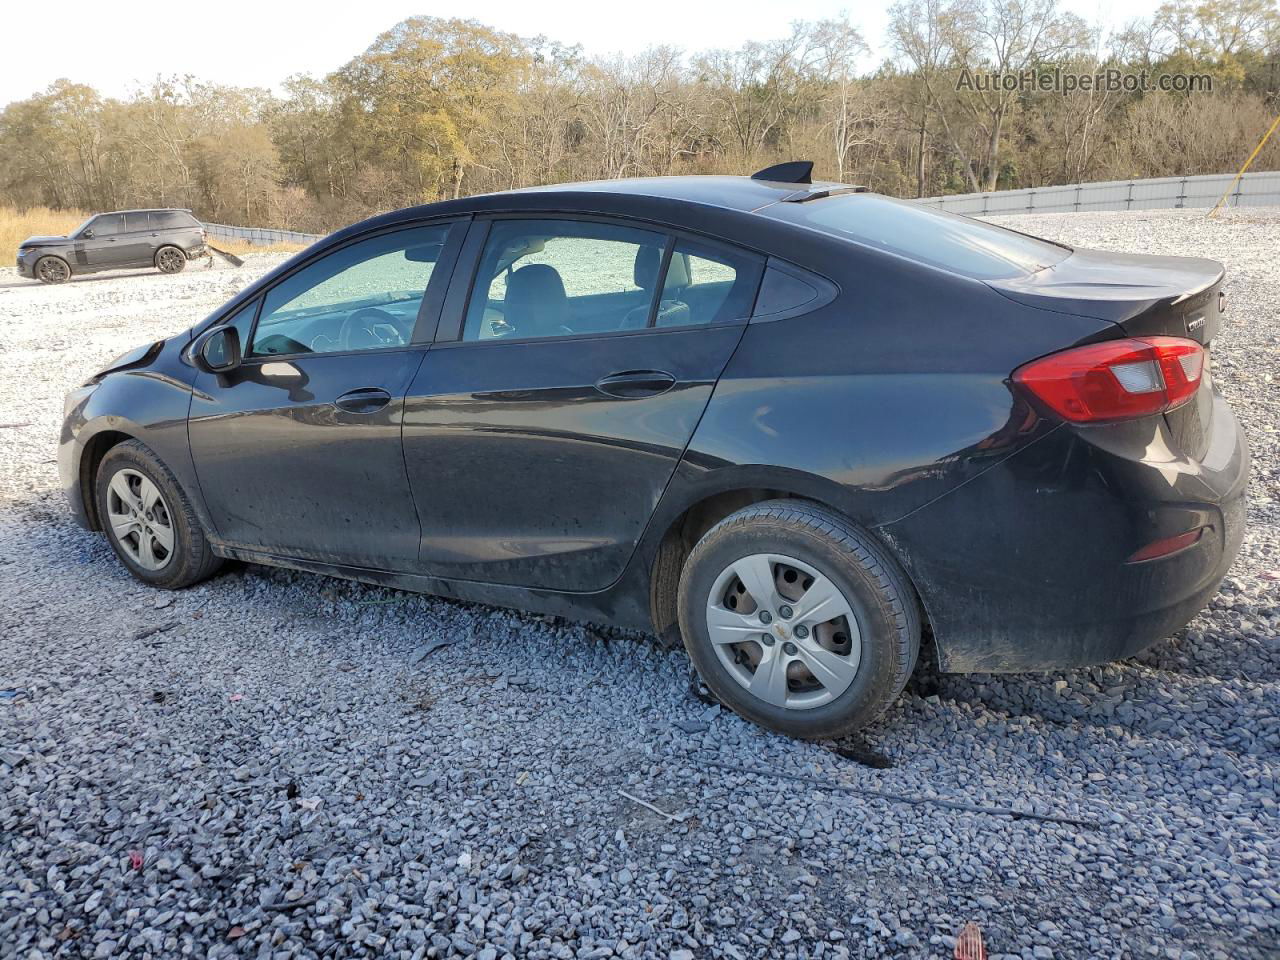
[(789, 424)]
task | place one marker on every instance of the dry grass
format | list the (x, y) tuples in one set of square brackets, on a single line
[(240, 248), (16, 226)]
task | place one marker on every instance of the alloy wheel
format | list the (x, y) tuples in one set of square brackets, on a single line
[(53, 270), (140, 519), (784, 631), (170, 260)]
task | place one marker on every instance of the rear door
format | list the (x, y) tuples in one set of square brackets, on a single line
[(563, 387), (136, 244)]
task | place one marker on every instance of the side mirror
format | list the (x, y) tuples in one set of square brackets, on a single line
[(217, 350), (87, 235)]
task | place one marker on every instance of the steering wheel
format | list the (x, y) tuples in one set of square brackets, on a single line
[(359, 329)]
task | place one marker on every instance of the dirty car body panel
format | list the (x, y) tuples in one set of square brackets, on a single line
[(550, 474)]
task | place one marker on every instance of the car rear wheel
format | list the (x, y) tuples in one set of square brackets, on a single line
[(170, 260), (797, 620), (52, 270), (149, 520)]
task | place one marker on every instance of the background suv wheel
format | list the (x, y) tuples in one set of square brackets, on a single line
[(52, 270), (170, 260)]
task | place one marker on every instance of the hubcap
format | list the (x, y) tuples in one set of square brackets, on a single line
[(811, 647), (140, 519)]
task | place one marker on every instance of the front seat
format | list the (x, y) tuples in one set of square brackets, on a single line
[(536, 304)]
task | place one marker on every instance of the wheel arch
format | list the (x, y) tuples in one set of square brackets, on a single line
[(66, 261), (95, 448), (681, 528)]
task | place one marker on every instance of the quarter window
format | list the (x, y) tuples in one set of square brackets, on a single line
[(170, 220), (555, 278), (364, 296)]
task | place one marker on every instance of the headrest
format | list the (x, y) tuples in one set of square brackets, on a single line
[(645, 272), (649, 259), (678, 272), (536, 302)]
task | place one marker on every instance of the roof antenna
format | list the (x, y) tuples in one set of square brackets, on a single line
[(794, 171)]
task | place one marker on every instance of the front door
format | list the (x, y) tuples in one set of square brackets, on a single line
[(540, 439), (298, 451), (105, 249)]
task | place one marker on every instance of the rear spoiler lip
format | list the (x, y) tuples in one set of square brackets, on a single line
[(1086, 284)]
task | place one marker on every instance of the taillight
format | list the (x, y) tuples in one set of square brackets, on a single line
[(1116, 379)]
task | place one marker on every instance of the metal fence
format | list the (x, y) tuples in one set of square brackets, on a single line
[(260, 236), (1161, 193)]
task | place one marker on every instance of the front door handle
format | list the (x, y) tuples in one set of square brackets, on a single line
[(364, 400), (632, 384)]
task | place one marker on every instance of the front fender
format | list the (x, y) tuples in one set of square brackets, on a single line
[(149, 403)]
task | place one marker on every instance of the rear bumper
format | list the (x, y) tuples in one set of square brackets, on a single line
[(1027, 566)]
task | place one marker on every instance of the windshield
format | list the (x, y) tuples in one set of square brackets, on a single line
[(968, 247)]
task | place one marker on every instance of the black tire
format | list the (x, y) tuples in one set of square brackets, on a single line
[(51, 269), (170, 260), (876, 589), (192, 558)]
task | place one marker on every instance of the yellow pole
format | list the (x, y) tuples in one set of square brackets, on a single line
[(1256, 150)]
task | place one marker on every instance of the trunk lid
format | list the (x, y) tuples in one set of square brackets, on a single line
[(1144, 296)]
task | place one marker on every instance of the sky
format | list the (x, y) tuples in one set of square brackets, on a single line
[(242, 43)]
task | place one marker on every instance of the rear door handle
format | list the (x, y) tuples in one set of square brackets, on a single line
[(364, 400), (631, 384)]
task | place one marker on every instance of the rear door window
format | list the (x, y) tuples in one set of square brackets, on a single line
[(558, 278), (705, 284), (137, 222)]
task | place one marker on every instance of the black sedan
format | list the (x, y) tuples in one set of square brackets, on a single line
[(791, 424)]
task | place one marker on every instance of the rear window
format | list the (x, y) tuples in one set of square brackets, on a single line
[(170, 219), (968, 247)]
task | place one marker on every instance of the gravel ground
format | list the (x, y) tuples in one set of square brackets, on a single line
[(279, 765)]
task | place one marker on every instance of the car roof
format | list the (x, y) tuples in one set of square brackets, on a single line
[(719, 205), (107, 213), (731, 193)]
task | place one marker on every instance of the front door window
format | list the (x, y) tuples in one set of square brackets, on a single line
[(364, 296)]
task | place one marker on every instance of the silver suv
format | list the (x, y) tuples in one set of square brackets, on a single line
[(124, 239)]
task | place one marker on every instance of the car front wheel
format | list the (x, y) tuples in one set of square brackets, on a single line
[(797, 620), (52, 270), (149, 520)]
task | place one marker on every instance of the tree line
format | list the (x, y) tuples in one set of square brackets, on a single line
[(438, 108)]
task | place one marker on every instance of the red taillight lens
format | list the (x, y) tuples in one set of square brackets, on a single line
[(1117, 379), (1167, 546)]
